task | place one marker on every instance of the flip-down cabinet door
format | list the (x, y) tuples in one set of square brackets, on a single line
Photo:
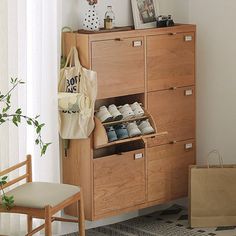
[(170, 60), (119, 64)]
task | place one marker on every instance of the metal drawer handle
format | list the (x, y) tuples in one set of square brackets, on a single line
[(137, 43), (188, 38), (188, 146), (188, 92), (138, 156)]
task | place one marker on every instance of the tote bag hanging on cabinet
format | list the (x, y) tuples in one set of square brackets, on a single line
[(76, 111), (212, 195)]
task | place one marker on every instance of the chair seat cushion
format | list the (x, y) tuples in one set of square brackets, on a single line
[(40, 194)]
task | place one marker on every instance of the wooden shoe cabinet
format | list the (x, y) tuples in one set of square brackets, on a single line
[(155, 67)]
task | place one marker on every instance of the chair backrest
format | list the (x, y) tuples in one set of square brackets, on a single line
[(27, 176)]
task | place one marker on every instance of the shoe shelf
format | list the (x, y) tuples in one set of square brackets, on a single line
[(100, 135), (144, 117)]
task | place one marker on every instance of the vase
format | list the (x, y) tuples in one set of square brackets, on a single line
[(91, 19)]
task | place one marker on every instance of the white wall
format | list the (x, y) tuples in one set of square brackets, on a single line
[(74, 11), (216, 76)]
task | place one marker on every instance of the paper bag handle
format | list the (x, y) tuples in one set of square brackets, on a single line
[(218, 155)]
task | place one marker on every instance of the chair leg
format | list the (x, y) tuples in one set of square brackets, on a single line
[(29, 223), (48, 221), (81, 219)]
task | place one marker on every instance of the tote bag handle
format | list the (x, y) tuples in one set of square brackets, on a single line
[(217, 153), (73, 54)]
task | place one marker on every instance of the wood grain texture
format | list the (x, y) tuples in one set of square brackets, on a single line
[(119, 182), (168, 170), (77, 170), (120, 67), (143, 32), (123, 71), (173, 112), (170, 61)]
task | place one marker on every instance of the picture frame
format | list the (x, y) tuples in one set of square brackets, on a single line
[(145, 13)]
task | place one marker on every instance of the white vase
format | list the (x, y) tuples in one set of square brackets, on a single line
[(91, 19)]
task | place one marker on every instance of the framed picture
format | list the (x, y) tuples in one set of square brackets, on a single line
[(145, 13)]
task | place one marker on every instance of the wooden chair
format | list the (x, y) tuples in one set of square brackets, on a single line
[(42, 200)]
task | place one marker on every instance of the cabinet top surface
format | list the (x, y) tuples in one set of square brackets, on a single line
[(178, 28)]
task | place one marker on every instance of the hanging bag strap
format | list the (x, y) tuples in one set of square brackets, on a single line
[(72, 57), (217, 154)]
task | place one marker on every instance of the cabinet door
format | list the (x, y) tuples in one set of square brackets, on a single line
[(174, 112), (170, 61), (120, 65), (119, 182), (168, 170), (183, 155), (158, 171)]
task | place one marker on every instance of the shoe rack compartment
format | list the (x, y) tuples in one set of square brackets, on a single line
[(119, 181), (170, 60), (100, 135), (168, 170)]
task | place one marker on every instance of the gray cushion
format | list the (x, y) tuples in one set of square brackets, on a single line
[(40, 194)]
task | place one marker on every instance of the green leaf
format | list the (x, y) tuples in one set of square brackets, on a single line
[(9, 98), (19, 111), (3, 182), (2, 121), (15, 120), (4, 177), (37, 141), (18, 118), (38, 129), (29, 122)]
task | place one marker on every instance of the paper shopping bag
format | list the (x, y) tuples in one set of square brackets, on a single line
[(212, 195)]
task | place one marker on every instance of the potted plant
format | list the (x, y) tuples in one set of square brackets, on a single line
[(16, 117)]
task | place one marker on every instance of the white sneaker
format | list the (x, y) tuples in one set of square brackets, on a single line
[(137, 109), (126, 112), (145, 127), (104, 115), (115, 112), (133, 129)]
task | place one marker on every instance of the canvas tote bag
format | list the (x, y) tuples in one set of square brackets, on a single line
[(77, 91), (212, 194)]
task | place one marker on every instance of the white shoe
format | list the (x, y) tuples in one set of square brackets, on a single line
[(137, 109), (104, 115), (115, 112), (133, 129), (126, 112), (145, 127)]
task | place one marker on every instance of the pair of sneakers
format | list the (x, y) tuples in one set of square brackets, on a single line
[(117, 132), (131, 111), (140, 128), (110, 114)]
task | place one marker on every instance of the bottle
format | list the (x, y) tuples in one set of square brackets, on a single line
[(109, 21)]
